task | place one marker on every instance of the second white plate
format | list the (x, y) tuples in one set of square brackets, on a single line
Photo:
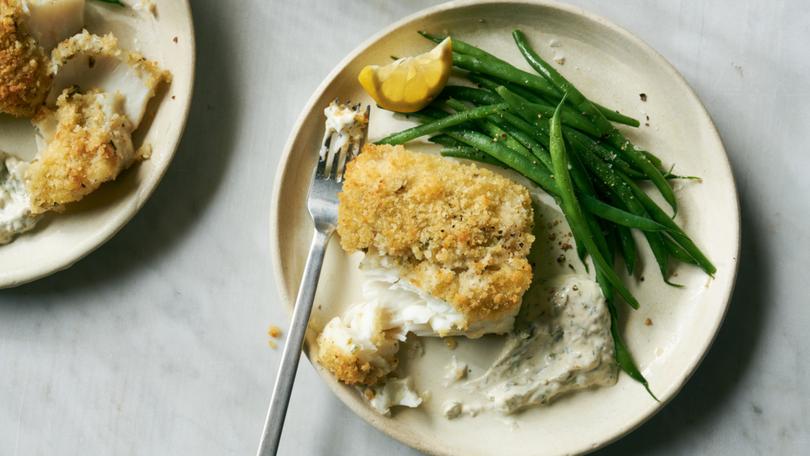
[(59, 240)]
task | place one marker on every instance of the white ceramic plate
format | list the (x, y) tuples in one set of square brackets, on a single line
[(60, 240), (613, 67)]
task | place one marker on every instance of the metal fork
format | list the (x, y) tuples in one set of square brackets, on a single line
[(340, 145)]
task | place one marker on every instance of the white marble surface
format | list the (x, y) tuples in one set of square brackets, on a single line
[(156, 344)]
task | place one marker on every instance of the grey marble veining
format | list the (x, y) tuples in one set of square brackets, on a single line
[(156, 343)]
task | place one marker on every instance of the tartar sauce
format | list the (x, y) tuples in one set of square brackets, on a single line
[(15, 212), (567, 347)]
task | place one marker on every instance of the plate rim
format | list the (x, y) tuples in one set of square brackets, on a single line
[(287, 296), (112, 226)]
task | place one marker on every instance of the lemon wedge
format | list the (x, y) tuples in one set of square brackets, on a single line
[(410, 83)]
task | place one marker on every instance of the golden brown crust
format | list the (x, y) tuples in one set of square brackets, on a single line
[(459, 232), (351, 369), (24, 75), (355, 353), (89, 146)]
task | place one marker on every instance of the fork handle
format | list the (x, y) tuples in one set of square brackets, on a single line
[(268, 446)]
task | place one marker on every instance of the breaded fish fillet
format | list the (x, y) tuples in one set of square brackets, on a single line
[(459, 232), (90, 144), (24, 74), (445, 254)]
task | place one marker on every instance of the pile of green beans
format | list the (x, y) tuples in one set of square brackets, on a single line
[(543, 127)]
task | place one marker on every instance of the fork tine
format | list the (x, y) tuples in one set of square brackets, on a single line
[(353, 151), (340, 161), (320, 170), (332, 154), (365, 130)]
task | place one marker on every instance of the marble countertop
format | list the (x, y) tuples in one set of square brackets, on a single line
[(157, 342)]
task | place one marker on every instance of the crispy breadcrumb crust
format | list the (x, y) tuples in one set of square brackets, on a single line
[(457, 231), (24, 75), (84, 43), (354, 361), (89, 147), (350, 369)]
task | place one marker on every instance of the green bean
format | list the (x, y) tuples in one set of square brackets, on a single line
[(526, 139), (446, 141), (498, 134), (583, 186), (514, 160), (657, 214), (471, 94), (622, 354), (580, 177), (519, 106), (573, 211), (569, 118), (610, 132), (514, 127), (491, 83), (582, 182), (620, 351), (616, 116), (628, 247), (503, 70), (479, 96), (430, 113), (579, 140), (618, 216), (470, 153), (535, 131), (654, 160), (611, 237), (494, 131), (442, 124), (679, 252), (539, 131), (595, 230), (661, 254), (627, 243)]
